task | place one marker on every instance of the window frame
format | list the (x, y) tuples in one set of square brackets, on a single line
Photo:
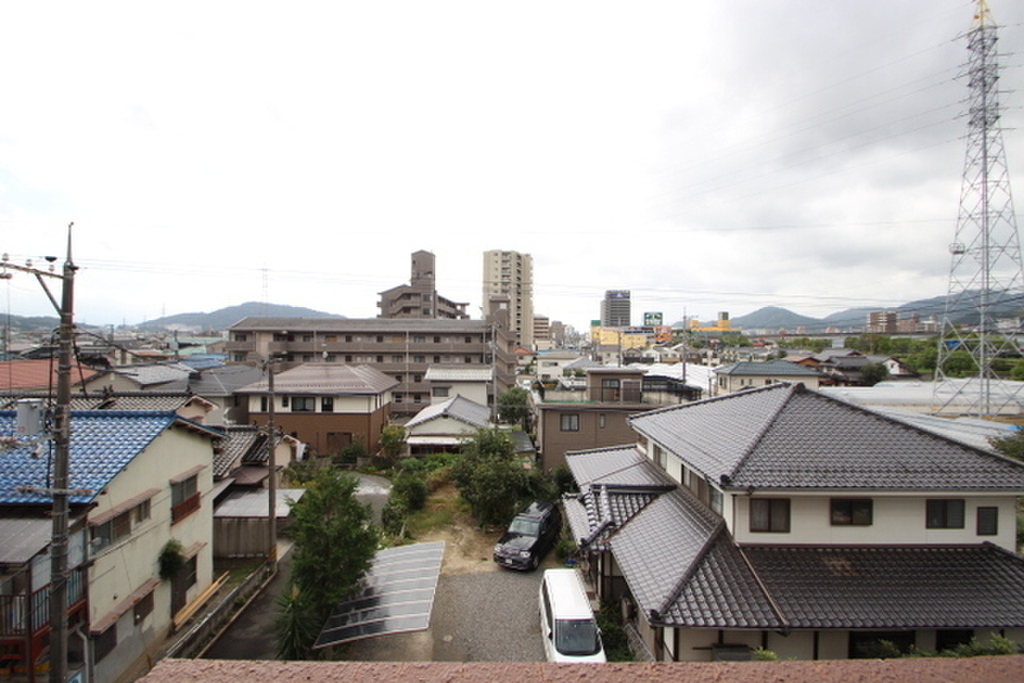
[(852, 512), (945, 513), (569, 422), (778, 518), (985, 526)]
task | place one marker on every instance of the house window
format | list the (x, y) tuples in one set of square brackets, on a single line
[(417, 398), (330, 358), (284, 401), (469, 340), (184, 498), (716, 500), (769, 515), (988, 521), (659, 456), (104, 643), (307, 358), (852, 511), (602, 420), (144, 607), (303, 404), (468, 359), (380, 338), (307, 338), (609, 384), (239, 357), (440, 392), (396, 359), (120, 526), (419, 339), (945, 513), (263, 404), (437, 340), (417, 378), (348, 358), (327, 404), (331, 339), (570, 422), (419, 359), (241, 337), (437, 359), (348, 338)]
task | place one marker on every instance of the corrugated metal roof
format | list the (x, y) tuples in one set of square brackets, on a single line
[(442, 373), (256, 503), (22, 538)]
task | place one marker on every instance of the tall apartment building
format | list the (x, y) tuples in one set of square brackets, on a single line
[(508, 281), (419, 298), (542, 333), (401, 348), (883, 322), (615, 309)]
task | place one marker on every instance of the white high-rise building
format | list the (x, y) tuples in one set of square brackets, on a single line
[(508, 280)]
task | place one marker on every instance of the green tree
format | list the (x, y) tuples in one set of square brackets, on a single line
[(514, 406), (873, 373), (1017, 371), (392, 443), (1011, 445), (334, 545), (488, 478)]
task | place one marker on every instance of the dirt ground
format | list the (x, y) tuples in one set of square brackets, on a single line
[(467, 550)]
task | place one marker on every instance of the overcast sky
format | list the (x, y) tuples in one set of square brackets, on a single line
[(708, 156)]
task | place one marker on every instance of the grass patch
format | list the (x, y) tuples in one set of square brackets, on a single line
[(440, 511), (240, 569)]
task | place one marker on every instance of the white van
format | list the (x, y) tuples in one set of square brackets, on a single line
[(566, 620)]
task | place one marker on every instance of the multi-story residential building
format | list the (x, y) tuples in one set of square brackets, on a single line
[(542, 333), (401, 348), (138, 480), (419, 298), (883, 322), (615, 309), (779, 518), (510, 274), (599, 415)]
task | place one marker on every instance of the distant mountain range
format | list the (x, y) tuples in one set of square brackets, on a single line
[(224, 318), (768, 318)]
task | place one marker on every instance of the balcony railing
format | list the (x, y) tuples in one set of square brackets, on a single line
[(13, 606)]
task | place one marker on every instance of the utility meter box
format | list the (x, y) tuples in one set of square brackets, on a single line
[(31, 417)]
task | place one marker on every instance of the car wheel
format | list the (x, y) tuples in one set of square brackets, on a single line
[(534, 561)]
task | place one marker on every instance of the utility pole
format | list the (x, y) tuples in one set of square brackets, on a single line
[(61, 468), (272, 465)]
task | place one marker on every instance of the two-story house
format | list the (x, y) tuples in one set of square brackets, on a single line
[(325, 405), (782, 519), (748, 374), (138, 480)]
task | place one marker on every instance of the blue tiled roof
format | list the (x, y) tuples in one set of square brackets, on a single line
[(103, 442)]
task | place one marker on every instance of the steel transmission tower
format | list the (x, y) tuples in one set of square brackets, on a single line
[(986, 275)]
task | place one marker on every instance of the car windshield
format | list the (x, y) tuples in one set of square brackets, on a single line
[(577, 637), (525, 527)]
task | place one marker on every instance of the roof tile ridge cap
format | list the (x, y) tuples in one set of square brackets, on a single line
[(790, 391), (763, 588), (698, 559)]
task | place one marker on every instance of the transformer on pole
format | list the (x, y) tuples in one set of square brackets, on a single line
[(986, 277)]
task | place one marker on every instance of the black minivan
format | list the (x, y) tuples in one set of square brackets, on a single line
[(530, 536)]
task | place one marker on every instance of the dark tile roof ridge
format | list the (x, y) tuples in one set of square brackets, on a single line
[(893, 420), (711, 399), (673, 595), (792, 389), (603, 490), (762, 587)]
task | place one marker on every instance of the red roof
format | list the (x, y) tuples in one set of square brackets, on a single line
[(38, 375)]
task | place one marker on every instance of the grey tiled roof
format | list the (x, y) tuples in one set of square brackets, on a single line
[(623, 465), (893, 587), (772, 368), (683, 569), (326, 379), (599, 511), (788, 437), (125, 400), (242, 444), (457, 408)]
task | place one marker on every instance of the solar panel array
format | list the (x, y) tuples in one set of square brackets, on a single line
[(397, 596)]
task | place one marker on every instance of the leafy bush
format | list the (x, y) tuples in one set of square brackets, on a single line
[(411, 489), (172, 559), (613, 633)]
